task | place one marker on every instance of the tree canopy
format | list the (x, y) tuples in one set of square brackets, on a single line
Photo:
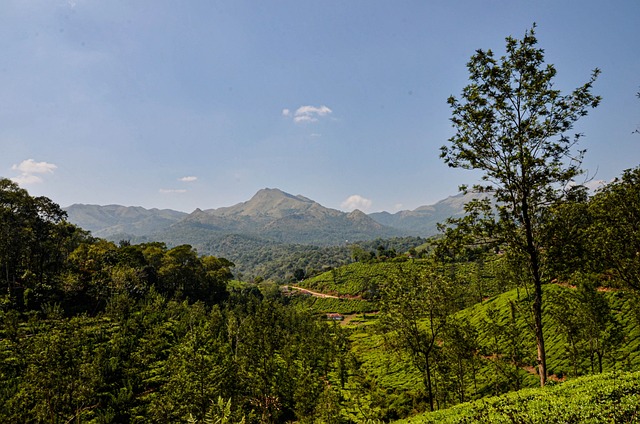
[(512, 124)]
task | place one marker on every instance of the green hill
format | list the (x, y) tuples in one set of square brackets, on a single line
[(505, 356), (356, 279), (605, 398)]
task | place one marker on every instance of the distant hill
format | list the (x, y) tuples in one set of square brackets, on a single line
[(423, 220), (278, 216), (109, 220), (268, 235), (271, 214)]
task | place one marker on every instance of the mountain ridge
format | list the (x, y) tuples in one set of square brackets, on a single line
[(424, 219), (268, 234), (270, 213), (105, 220)]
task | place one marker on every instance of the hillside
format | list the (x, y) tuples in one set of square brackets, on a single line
[(278, 216), (423, 221), (122, 327), (270, 214), (606, 398), (270, 235), (107, 221), (396, 384), (503, 349)]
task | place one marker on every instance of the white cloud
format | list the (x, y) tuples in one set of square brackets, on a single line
[(304, 118), (313, 110), (172, 191), (26, 179), (356, 201), (28, 168), (188, 179), (308, 113)]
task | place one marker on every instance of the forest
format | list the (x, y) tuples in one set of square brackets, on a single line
[(524, 310)]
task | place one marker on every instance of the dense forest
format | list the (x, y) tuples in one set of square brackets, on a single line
[(537, 285)]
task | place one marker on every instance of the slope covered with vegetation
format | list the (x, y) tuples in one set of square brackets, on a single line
[(605, 398), (499, 356)]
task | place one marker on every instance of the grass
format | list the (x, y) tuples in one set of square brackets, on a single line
[(605, 398), (332, 305), (395, 388), (391, 373), (356, 279)]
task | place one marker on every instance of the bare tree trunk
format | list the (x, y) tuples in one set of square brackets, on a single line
[(534, 262), (537, 315), (427, 382)]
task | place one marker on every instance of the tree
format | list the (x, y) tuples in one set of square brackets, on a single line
[(199, 368), (183, 272), (415, 306), (614, 235), (35, 240), (566, 234), (506, 345), (511, 124), (460, 351), (602, 331), (565, 311)]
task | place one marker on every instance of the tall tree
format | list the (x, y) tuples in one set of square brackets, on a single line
[(415, 307), (511, 124), (35, 240)]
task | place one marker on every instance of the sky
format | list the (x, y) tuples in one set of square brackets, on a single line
[(200, 104)]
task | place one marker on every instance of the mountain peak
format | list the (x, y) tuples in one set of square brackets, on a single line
[(356, 213), (275, 194), (268, 202), (270, 192)]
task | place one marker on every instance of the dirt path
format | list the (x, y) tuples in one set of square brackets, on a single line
[(314, 294)]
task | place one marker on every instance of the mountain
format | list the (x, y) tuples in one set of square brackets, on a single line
[(422, 221), (270, 214), (278, 216), (111, 220), (268, 235)]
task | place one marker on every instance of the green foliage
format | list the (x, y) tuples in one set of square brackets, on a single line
[(588, 324), (511, 125), (278, 261), (614, 236), (168, 361), (606, 398), (218, 413), (93, 331), (35, 240), (408, 298), (340, 306), (358, 279)]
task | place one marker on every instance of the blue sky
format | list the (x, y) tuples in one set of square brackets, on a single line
[(192, 104)]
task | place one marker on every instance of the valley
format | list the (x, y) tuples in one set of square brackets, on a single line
[(272, 234)]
